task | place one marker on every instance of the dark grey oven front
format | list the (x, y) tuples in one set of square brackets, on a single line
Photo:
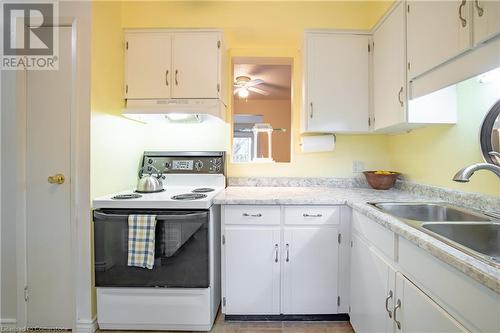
[(181, 249)]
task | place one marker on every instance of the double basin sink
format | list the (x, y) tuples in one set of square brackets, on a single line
[(471, 232)]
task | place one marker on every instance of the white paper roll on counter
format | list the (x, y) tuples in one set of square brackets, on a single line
[(317, 143)]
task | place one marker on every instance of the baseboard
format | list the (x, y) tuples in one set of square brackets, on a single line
[(8, 322), (86, 326), (285, 317)]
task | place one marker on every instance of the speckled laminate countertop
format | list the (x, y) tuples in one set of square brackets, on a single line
[(357, 199)]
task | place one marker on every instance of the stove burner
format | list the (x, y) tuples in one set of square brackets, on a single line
[(189, 196), (203, 190), (126, 196)]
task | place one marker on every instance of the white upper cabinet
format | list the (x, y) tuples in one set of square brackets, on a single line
[(336, 82), (389, 74), (486, 20), (437, 31), (147, 65), (172, 64), (196, 65)]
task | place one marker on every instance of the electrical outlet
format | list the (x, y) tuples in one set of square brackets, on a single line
[(358, 166)]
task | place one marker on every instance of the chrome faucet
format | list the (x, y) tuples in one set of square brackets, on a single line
[(464, 174)]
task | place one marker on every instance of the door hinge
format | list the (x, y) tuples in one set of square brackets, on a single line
[(373, 46), (369, 122), (26, 294), (223, 301), (338, 300), (218, 44), (351, 243), (126, 88), (218, 87), (126, 45), (369, 47), (339, 238), (408, 8), (223, 239), (409, 65)]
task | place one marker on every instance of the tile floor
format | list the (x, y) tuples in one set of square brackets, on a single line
[(222, 326)]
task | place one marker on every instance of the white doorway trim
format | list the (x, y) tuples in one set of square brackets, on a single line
[(79, 19)]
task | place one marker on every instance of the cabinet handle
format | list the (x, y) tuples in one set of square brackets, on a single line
[(312, 215), (275, 252), (287, 252), (398, 306), (480, 10), (176, 81), (252, 215), (462, 5), (400, 97), (311, 112), (389, 296), (166, 77)]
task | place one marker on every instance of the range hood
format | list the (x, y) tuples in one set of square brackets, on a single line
[(174, 110)]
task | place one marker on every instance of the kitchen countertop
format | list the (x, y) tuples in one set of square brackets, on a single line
[(357, 199)]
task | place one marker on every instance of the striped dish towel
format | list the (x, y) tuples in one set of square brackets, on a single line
[(141, 240)]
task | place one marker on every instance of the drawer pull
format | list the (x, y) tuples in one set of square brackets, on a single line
[(252, 215), (287, 252), (398, 306), (276, 252), (389, 296), (312, 215)]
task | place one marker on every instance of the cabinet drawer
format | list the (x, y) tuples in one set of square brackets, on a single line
[(312, 215), (252, 214), (383, 239)]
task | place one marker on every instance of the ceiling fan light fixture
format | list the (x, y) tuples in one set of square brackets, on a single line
[(243, 92)]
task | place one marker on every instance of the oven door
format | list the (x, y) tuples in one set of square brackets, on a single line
[(181, 250)]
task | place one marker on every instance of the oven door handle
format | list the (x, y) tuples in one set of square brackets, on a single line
[(114, 217)]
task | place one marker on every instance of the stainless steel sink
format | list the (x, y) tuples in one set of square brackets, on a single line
[(468, 231), (480, 237), (430, 212)]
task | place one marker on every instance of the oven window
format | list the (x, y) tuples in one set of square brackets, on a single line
[(181, 250)]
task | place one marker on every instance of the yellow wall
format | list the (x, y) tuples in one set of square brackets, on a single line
[(251, 29), (433, 155)]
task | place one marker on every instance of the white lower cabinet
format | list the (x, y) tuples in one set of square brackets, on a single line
[(310, 261), (290, 268), (252, 270)]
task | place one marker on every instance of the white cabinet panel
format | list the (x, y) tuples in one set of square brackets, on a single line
[(389, 75), (196, 65), (336, 82), (437, 31), (310, 278), (371, 284), (486, 20), (147, 65), (420, 314), (252, 270)]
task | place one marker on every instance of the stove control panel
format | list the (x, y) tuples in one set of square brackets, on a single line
[(184, 162)]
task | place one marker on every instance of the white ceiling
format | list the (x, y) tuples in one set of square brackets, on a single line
[(277, 79)]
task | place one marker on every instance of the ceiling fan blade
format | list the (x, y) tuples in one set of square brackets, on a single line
[(258, 91), (254, 82)]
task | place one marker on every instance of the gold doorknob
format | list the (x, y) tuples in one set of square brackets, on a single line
[(56, 179)]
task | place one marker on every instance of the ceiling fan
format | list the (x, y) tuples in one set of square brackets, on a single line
[(244, 84)]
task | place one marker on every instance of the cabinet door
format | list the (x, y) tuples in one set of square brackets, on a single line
[(147, 65), (372, 281), (195, 65), (486, 20), (252, 270), (336, 82), (310, 276), (436, 33), (389, 70), (420, 314)]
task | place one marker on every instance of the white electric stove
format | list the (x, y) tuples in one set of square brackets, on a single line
[(182, 291)]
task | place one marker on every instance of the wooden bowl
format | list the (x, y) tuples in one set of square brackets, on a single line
[(381, 181)]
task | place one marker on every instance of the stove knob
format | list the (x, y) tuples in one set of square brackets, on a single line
[(150, 161), (198, 165), (167, 165)]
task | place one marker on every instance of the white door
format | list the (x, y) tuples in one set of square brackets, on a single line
[(336, 81), (148, 72), (372, 283), (420, 314), (437, 32), (310, 275), (486, 20), (389, 70), (196, 65), (252, 270), (48, 238)]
